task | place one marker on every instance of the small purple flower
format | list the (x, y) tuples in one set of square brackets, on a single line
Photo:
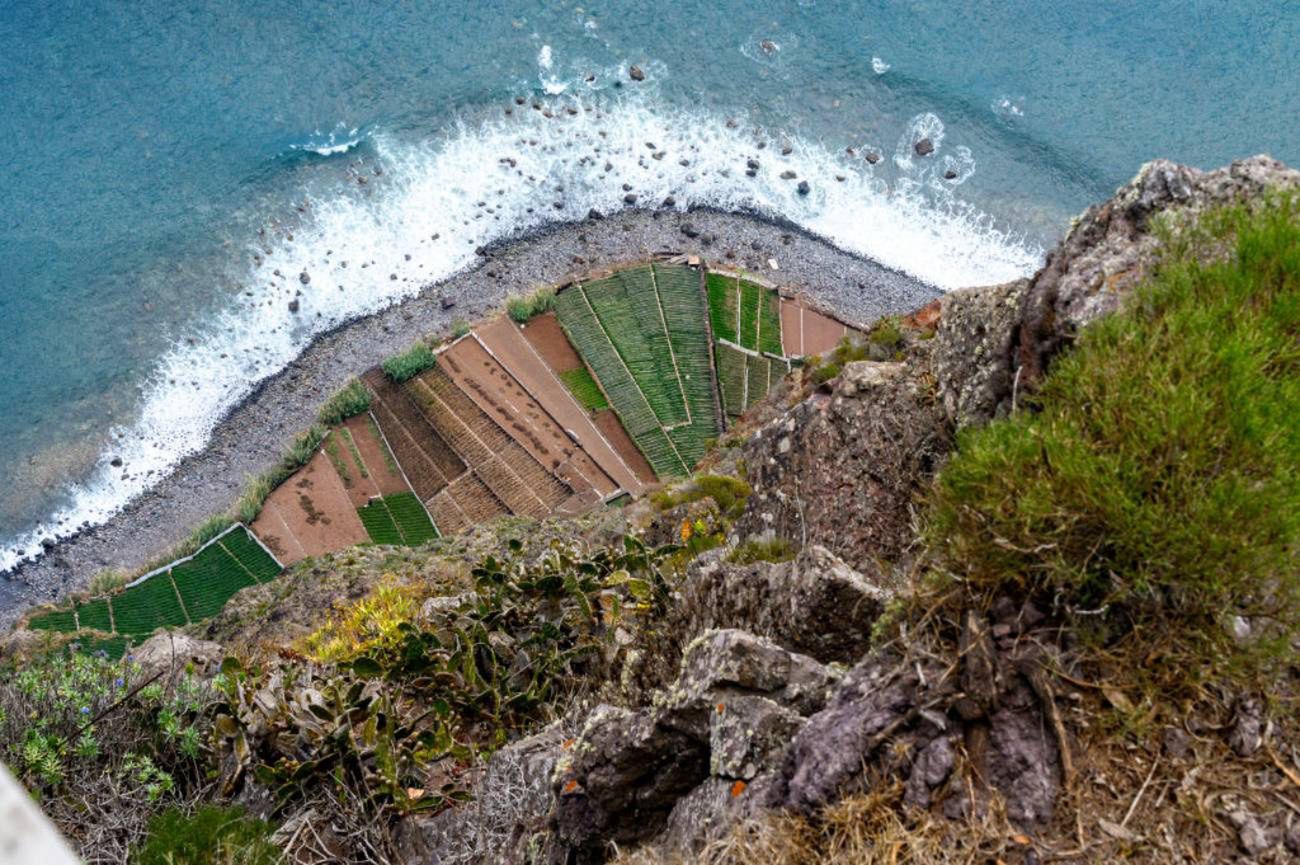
[(85, 710), (119, 682)]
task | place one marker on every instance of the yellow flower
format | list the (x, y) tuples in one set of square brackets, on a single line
[(687, 530)]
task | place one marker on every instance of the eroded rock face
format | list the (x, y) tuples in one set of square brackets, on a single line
[(1113, 246), (843, 469), (816, 604), (971, 354), (736, 703), (174, 651)]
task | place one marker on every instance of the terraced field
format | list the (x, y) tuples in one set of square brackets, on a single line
[(745, 314), (397, 519), (643, 333), (187, 591)]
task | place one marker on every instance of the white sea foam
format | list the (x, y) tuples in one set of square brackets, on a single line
[(878, 66), (485, 181)]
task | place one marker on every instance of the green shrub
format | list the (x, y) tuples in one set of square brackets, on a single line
[(523, 307), (107, 581), (410, 363), (353, 399), (775, 550), (460, 327), (1157, 484), (887, 333), (727, 492), (212, 835)]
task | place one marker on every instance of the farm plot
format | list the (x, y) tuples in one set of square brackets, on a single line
[(499, 395), (428, 461), (373, 455), (313, 512), (539, 356), (682, 303), (147, 606), (510, 471), (732, 379), (628, 400), (745, 313), (398, 519), (210, 579), (806, 332)]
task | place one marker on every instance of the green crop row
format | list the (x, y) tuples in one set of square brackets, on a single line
[(732, 366), (769, 323), (204, 584), (397, 520), (584, 388), (750, 295), (722, 305)]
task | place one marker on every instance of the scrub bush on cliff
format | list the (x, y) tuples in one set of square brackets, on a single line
[(1155, 487)]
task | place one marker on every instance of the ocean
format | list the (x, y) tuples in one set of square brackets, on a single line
[(174, 175)]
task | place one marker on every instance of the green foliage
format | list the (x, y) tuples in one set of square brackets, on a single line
[(460, 327), (403, 693), (1157, 484), (352, 399), (68, 718), (887, 332), (523, 307), (212, 835), (727, 492), (397, 519), (108, 580), (584, 389), (722, 292), (410, 363), (775, 550)]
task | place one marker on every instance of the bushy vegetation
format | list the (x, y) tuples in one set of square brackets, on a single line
[(522, 307), (410, 363), (823, 369), (352, 399), (102, 745), (727, 492), (212, 835), (1153, 491), (395, 692)]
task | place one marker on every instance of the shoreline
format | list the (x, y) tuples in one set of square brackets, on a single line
[(253, 434)]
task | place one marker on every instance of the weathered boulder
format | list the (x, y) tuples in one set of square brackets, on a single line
[(843, 469), (173, 652), (738, 699), (507, 819), (971, 351), (815, 604)]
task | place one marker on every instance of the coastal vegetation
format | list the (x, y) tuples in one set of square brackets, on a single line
[(523, 307), (410, 363), (1151, 489), (352, 399)]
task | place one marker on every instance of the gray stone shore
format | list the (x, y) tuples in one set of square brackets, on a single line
[(252, 437)]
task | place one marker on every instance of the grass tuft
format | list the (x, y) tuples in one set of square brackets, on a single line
[(212, 835), (353, 399), (522, 307), (409, 363), (1154, 491), (775, 550)]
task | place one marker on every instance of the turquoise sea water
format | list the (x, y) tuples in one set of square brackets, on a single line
[(162, 161)]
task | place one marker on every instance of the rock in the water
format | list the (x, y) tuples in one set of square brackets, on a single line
[(923, 147), (636, 73), (293, 305), (803, 188), (304, 277), (872, 157)]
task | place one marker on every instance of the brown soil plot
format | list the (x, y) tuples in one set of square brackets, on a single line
[(809, 330), (310, 514), (500, 395), (612, 428), (527, 354), (379, 462)]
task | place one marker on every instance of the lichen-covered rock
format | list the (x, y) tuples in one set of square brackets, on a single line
[(737, 693), (1113, 245), (971, 351), (507, 818), (174, 651), (843, 469), (815, 604)]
